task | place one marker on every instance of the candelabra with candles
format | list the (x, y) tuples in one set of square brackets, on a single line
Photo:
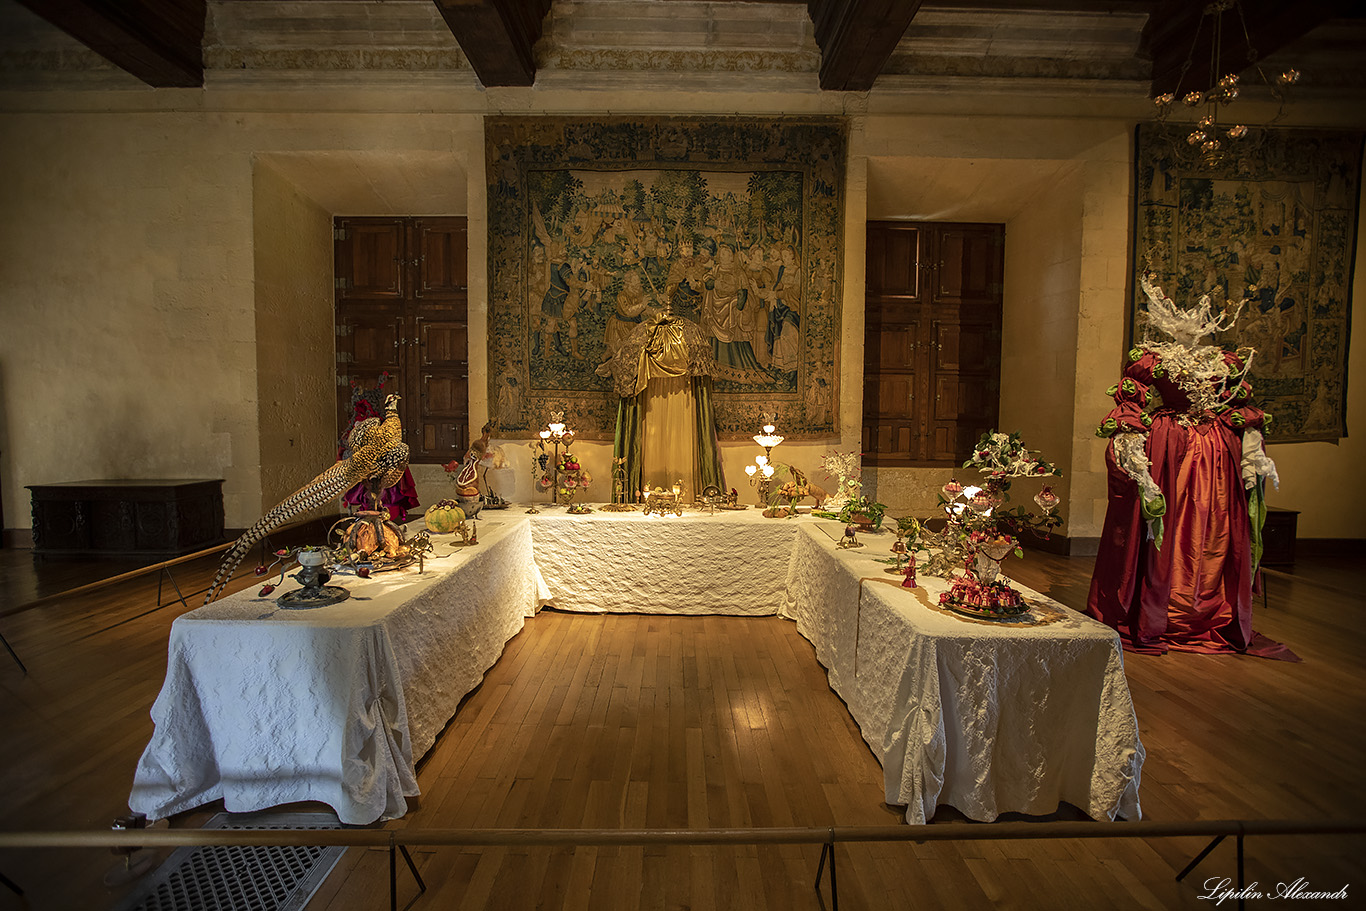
[(557, 434), (761, 472)]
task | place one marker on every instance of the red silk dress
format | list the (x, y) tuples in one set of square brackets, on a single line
[(1194, 593)]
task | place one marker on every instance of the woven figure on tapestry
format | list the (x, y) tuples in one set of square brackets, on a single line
[(666, 428), (366, 404), (378, 458), (1187, 470)]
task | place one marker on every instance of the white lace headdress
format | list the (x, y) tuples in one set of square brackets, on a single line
[(1190, 325)]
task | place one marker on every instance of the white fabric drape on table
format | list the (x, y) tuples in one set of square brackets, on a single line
[(986, 718)]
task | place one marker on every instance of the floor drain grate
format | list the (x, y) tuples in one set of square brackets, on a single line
[(241, 878)]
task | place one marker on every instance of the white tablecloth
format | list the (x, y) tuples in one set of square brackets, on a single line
[(985, 718), (730, 562), (263, 706)]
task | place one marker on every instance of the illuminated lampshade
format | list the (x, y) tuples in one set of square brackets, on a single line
[(768, 471), (557, 429), (545, 434), (750, 469)]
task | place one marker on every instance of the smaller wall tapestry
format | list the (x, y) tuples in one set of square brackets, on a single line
[(597, 227), (1273, 224)]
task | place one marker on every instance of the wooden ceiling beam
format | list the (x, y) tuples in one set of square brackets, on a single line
[(1178, 30), (856, 38), (158, 41), (497, 36)]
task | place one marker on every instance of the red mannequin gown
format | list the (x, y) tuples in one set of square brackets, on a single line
[(1194, 592)]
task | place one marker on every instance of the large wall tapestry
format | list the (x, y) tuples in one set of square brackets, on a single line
[(735, 224), (1274, 224)]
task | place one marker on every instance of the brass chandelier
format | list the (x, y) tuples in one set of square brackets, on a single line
[(1210, 137)]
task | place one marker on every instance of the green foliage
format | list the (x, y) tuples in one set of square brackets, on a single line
[(864, 506)]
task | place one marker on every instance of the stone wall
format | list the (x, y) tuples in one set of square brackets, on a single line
[(146, 251)]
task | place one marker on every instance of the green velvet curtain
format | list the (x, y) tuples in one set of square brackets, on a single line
[(629, 435), (627, 442), (708, 451)]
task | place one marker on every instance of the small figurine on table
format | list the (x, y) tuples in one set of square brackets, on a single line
[(850, 538), (909, 581)]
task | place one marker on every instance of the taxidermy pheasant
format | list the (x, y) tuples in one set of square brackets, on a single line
[(378, 458)]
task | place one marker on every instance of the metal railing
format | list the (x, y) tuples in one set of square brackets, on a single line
[(398, 840), (163, 570)]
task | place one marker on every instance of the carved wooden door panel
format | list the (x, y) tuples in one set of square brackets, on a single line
[(401, 308), (369, 343), (442, 389), (969, 265), (370, 259), (893, 355), (892, 377), (441, 258), (931, 340)]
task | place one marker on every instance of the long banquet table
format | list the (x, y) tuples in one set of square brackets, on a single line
[(982, 716), (263, 706), (729, 562)]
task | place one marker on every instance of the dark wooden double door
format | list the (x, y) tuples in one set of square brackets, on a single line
[(402, 308), (932, 340)]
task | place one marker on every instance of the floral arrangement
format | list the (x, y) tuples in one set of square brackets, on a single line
[(845, 467), (995, 598), (981, 532), (1003, 455), (863, 506)]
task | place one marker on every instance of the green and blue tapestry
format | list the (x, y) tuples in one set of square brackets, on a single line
[(733, 223), (1272, 224)]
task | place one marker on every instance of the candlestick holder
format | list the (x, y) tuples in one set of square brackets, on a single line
[(555, 437), (761, 472)]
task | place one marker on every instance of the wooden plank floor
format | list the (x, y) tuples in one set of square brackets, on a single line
[(643, 721)]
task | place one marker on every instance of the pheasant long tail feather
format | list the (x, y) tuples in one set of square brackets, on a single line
[(329, 485)]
